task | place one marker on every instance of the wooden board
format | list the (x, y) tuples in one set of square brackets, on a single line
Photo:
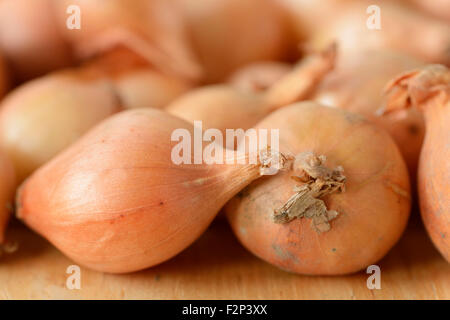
[(217, 267)]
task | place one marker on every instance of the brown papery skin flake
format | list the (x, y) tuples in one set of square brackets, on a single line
[(317, 181)]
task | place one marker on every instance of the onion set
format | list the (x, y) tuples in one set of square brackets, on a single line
[(43, 116), (340, 207), (428, 90), (116, 202), (228, 34)]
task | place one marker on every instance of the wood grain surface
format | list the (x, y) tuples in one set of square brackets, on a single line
[(218, 267)]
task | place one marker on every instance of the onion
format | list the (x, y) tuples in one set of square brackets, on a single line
[(116, 202), (225, 107), (428, 89), (344, 203), (228, 34), (259, 76), (357, 84), (29, 38), (42, 117), (153, 28), (7, 189), (136, 83), (402, 28)]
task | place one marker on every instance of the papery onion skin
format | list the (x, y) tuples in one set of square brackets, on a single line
[(44, 116), (115, 201), (259, 76), (373, 209), (7, 190), (356, 85), (30, 40), (228, 34), (428, 89)]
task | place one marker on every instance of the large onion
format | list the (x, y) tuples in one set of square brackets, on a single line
[(42, 117), (30, 39)]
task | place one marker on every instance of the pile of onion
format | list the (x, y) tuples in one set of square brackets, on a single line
[(7, 190), (115, 201), (155, 29), (30, 39), (227, 107), (228, 34), (136, 82), (43, 116), (402, 28), (342, 204), (356, 85), (428, 89)]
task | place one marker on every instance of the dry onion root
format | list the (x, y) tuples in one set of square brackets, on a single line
[(29, 38), (428, 89), (225, 107), (137, 84), (356, 85), (42, 117), (228, 34), (340, 207), (7, 189), (116, 202), (154, 29)]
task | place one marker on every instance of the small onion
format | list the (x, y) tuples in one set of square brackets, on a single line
[(342, 206), (42, 117), (228, 34), (116, 202), (428, 90), (29, 38)]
